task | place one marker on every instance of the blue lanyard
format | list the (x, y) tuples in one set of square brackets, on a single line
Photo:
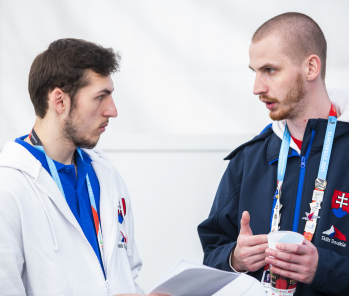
[(327, 147), (324, 162), (283, 154), (282, 163), (54, 173)]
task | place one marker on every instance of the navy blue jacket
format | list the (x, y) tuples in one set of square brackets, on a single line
[(249, 184)]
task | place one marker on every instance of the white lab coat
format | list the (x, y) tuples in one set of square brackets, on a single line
[(43, 251)]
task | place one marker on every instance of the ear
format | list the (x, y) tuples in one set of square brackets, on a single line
[(313, 67), (59, 100)]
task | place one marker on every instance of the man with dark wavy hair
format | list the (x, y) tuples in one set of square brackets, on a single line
[(286, 178), (66, 221)]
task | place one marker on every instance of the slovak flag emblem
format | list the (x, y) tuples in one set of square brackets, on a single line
[(340, 206), (335, 233)]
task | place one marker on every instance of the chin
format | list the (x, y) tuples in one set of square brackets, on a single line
[(86, 143), (278, 115)]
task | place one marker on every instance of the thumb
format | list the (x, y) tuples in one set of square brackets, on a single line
[(245, 224)]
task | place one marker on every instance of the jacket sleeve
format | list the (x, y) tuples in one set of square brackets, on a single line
[(219, 232), (332, 274), (11, 259), (134, 260)]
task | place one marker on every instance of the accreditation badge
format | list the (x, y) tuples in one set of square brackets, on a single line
[(318, 196), (310, 227), (266, 278)]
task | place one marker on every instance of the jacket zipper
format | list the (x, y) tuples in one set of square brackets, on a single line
[(300, 184), (107, 286)]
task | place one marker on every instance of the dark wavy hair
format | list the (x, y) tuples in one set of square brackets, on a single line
[(63, 65)]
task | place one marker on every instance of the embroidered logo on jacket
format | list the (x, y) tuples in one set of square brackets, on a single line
[(122, 241), (122, 238), (340, 206), (334, 232), (120, 213)]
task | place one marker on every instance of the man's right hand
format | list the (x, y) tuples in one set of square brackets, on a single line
[(249, 253)]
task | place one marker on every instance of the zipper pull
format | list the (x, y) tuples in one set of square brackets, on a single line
[(107, 286), (303, 162)]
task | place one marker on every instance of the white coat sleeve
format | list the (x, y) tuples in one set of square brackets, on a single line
[(135, 260), (11, 258)]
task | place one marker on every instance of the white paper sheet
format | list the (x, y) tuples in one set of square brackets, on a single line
[(191, 279)]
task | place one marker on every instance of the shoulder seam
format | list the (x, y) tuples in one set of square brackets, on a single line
[(255, 139)]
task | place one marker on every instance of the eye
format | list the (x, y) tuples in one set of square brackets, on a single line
[(270, 70), (99, 98)]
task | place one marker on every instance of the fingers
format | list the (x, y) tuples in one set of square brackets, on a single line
[(308, 243), (285, 265), (257, 265), (251, 260), (289, 274), (254, 240), (289, 257), (254, 250), (293, 248), (245, 224)]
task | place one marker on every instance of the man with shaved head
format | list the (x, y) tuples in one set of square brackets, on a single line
[(292, 176)]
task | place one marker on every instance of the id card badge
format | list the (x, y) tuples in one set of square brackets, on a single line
[(266, 279)]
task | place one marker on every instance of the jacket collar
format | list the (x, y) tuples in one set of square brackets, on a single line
[(339, 98), (317, 125), (279, 128), (16, 156)]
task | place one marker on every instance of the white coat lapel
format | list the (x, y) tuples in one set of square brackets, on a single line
[(16, 156), (46, 184)]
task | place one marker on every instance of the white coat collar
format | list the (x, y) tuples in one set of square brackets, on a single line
[(18, 157)]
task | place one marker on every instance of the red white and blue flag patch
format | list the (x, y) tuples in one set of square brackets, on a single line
[(339, 205), (335, 233), (122, 211)]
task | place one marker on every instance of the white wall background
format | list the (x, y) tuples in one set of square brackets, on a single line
[(184, 96)]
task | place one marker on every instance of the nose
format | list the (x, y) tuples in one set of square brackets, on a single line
[(260, 86), (111, 110)]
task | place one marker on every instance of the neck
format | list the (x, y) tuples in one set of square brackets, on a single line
[(56, 147), (317, 106)]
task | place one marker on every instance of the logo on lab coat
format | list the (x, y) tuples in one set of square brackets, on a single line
[(120, 212)]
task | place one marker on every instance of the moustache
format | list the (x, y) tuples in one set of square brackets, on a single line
[(104, 124), (269, 99)]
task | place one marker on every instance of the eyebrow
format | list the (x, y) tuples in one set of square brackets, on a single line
[(106, 91), (267, 65)]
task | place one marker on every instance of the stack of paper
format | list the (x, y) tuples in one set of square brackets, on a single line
[(191, 279)]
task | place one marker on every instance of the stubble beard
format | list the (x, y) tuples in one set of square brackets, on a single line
[(294, 96), (72, 134)]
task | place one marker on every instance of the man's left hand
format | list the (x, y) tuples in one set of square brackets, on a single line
[(299, 264)]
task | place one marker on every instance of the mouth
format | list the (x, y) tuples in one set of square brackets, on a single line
[(103, 127), (269, 104)]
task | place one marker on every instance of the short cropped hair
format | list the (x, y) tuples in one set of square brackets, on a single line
[(302, 36), (64, 65)]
